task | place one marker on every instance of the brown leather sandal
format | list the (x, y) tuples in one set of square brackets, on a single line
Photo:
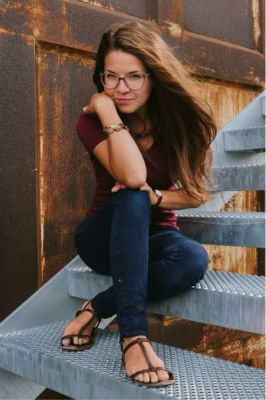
[(78, 347), (151, 368)]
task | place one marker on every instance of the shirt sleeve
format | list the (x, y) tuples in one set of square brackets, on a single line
[(89, 130)]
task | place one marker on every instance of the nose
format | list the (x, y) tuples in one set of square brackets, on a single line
[(122, 87)]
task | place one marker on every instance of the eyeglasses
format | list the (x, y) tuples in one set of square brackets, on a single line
[(133, 81)]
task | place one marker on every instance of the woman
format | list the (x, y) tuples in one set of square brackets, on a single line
[(148, 134)]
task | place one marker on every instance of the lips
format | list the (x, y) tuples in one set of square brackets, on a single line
[(123, 101)]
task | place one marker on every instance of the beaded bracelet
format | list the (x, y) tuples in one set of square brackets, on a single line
[(107, 130)]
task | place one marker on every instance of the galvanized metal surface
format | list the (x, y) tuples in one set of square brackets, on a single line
[(239, 177), (98, 373), (15, 387), (224, 299), (249, 117), (263, 105), (227, 228), (245, 139)]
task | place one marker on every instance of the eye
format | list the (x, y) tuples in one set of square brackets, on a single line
[(109, 75), (134, 77)]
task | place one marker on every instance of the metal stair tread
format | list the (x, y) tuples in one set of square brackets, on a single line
[(220, 292), (227, 282), (36, 353), (239, 215)]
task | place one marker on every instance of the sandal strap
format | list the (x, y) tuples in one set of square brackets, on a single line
[(94, 315), (78, 336), (142, 371), (140, 342)]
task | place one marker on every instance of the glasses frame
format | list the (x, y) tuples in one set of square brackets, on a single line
[(143, 75)]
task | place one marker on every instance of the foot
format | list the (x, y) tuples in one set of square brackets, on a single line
[(74, 326), (135, 361)]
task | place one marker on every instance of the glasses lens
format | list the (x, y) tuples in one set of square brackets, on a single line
[(109, 80), (134, 81)]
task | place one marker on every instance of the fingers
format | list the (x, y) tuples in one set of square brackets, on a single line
[(117, 187)]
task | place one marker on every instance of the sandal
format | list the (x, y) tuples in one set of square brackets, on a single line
[(151, 368), (78, 347)]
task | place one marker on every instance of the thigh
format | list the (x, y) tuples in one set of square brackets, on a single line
[(176, 262)]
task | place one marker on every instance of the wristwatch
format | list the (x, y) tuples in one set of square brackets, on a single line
[(159, 196)]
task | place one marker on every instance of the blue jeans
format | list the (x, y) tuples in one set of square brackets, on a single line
[(146, 263)]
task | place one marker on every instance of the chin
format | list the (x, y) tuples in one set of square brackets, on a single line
[(126, 109)]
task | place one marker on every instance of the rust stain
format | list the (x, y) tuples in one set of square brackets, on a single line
[(256, 21), (83, 57)]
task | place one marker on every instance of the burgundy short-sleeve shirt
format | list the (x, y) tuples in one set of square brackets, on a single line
[(89, 130)]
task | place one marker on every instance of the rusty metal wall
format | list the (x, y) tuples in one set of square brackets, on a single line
[(48, 50)]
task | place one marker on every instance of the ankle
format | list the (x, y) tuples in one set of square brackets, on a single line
[(130, 339)]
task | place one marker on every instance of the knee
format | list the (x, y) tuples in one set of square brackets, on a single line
[(198, 260), (134, 201)]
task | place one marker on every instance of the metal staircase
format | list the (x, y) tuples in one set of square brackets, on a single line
[(29, 337)]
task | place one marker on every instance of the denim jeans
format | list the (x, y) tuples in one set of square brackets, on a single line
[(146, 263)]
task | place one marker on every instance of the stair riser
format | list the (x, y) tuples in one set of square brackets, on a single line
[(239, 178), (220, 231), (245, 140)]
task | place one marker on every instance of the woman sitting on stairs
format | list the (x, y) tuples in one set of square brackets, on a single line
[(148, 133)]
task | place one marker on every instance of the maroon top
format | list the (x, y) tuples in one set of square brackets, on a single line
[(89, 130)]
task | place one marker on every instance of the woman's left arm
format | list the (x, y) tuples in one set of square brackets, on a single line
[(172, 199)]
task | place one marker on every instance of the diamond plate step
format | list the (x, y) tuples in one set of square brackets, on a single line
[(220, 227), (239, 177), (221, 298), (245, 139), (98, 373)]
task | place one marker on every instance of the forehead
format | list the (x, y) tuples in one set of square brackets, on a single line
[(120, 62)]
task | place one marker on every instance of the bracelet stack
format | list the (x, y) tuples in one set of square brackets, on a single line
[(107, 130)]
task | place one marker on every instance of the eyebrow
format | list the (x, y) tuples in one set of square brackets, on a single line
[(131, 72)]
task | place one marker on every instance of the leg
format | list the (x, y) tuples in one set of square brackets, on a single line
[(115, 241), (176, 263)]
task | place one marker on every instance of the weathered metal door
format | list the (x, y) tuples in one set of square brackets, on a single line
[(47, 55)]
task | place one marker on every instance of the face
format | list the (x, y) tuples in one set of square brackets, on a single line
[(123, 64)]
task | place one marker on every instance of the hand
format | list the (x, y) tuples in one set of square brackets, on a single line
[(152, 195), (153, 198), (97, 101), (117, 187)]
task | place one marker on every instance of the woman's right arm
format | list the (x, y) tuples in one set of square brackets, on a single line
[(119, 154)]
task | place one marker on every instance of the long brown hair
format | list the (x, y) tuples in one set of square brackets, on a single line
[(182, 120)]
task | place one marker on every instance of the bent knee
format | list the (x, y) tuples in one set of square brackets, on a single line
[(132, 199), (197, 260)]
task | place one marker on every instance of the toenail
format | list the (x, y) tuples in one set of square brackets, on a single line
[(65, 342)]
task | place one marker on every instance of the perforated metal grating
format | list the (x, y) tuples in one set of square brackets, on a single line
[(235, 283), (38, 352), (224, 215)]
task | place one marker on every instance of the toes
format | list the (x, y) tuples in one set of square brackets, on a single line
[(153, 377), (139, 377), (162, 375), (76, 340), (66, 342), (146, 377)]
